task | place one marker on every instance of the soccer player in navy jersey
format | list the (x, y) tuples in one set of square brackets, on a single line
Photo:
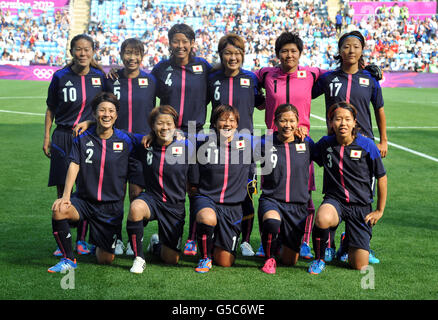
[(182, 83), (136, 91), (68, 102), (229, 84), (99, 165), (166, 164), (352, 163), (224, 159), (285, 194), (182, 79), (354, 84)]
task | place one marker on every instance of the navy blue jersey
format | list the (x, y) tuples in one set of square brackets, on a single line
[(137, 99), (359, 89), (349, 171), (185, 89), (103, 164), (70, 95), (241, 92), (166, 169), (223, 168), (288, 180)]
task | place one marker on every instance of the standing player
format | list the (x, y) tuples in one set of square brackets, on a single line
[(285, 193), (224, 161), (230, 84), (182, 79), (99, 165), (355, 85), (68, 103), (182, 84), (166, 165), (135, 90), (351, 164), (291, 83)]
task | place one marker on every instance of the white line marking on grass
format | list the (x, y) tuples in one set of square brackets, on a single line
[(322, 119), (423, 155), (25, 113), (19, 98)]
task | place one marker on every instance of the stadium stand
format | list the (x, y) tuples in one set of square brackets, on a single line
[(394, 41), (27, 37)]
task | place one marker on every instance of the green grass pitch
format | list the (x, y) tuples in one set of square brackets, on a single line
[(405, 238)]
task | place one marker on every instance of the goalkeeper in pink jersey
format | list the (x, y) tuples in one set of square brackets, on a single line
[(292, 84)]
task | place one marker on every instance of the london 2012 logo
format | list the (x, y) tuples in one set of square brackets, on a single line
[(43, 73)]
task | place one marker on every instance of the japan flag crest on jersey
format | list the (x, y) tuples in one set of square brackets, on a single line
[(301, 74), (95, 81), (364, 82), (118, 146), (177, 151), (300, 147), (142, 82), (240, 144), (198, 69), (355, 154), (244, 82)]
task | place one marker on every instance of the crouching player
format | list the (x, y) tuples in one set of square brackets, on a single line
[(351, 164), (283, 203), (99, 165), (166, 164)]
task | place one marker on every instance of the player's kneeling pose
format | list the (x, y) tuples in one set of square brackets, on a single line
[(351, 164), (166, 164), (99, 165), (223, 161), (283, 203)]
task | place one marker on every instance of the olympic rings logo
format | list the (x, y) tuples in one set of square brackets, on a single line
[(43, 73)]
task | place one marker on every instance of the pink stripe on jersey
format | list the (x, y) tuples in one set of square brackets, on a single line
[(130, 105), (350, 78), (224, 187), (102, 171), (183, 93), (286, 146), (341, 172), (230, 94), (160, 178), (84, 100)]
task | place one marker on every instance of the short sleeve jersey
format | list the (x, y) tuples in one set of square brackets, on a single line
[(166, 169), (287, 169), (241, 92), (69, 95), (294, 88), (349, 171), (224, 167), (103, 164), (137, 99), (359, 89), (185, 89)]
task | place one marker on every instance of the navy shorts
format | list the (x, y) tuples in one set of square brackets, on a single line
[(105, 220), (170, 217), (229, 221), (357, 232), (293, 220), (62, 139), (135, 173)]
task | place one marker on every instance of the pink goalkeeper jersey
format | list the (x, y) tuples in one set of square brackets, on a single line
[(294, 88)]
